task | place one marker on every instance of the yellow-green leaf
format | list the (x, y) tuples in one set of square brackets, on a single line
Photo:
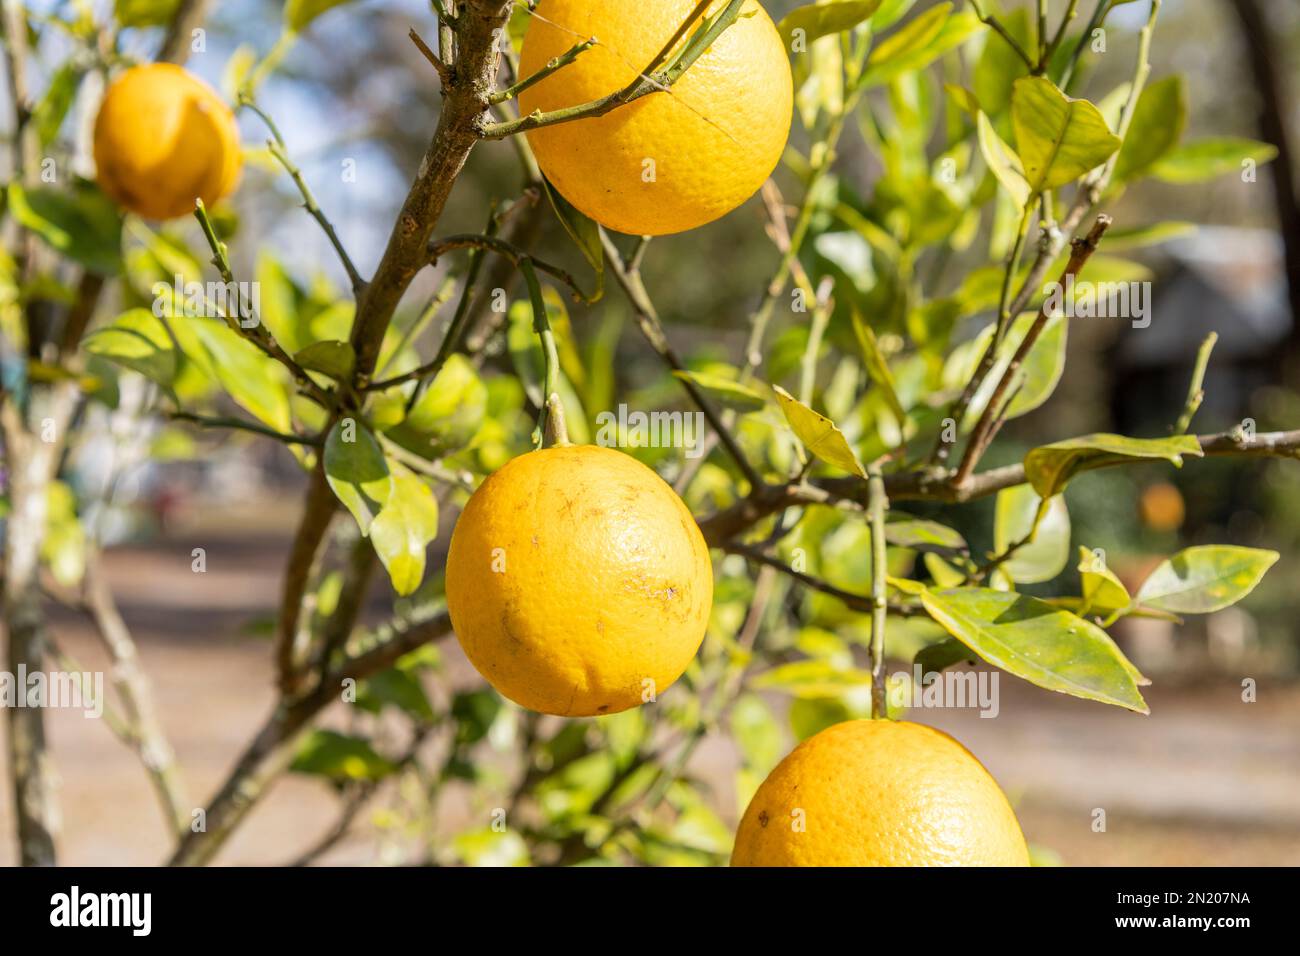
[(1206, 578), (1058, 138), (1049, 468), (819, 434), (1045, 645), (401, 532)]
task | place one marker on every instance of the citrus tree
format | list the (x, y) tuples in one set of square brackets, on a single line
[(621, 604)]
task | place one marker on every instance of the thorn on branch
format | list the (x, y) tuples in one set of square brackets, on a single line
[(444, 71)]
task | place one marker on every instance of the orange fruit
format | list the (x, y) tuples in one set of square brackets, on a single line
[(1161, 507), (879, 793), (669, 161), (577, 581), (164, 138)]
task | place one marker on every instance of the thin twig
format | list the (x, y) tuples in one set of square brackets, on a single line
[(553, 66), (653, 79), (281, 152), (981, 434), (1195, 389)]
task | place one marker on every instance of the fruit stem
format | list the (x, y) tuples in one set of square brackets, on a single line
[(877, 503), (551, 428)]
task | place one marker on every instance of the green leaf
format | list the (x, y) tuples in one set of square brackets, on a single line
[(52, 108), (944, 574), (137, 340), (145, 13), (819, 20), (1044, 645), (396, 687), (402, 530), (1002, 161), (356, 470), (252, 378), (757, 733), (63, 546), (1058, 138), (585, 233), (819, 434), (728, 393), (877, 367), (812, 678), (488, 847), (1210, 158), (1049, 468), (811, 715), (919, 43), (999, 65), (1103, 593), (1140, 237), (1156, 128), (298, 14), (1205, 578), (936, 658), (904, 531), (1017, 513), (327, 753), (81, 223), (1041, 372), (448, 414), (335, 359)]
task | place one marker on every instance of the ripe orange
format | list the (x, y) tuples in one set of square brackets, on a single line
[(164, 138), (672, 160), (578, 582), (1161, 507), (879, 793)]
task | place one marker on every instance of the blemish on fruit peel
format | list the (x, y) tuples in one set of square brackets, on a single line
[(637, 429), (63, 690), (947, 689)]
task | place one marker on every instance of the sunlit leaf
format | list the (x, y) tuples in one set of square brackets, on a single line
[(819, 434), (1058, 138), (725, 391), (1205, 578), (1156, 128), (336, 756), (1046, 646), (819, 20), (1049, 468), (402, 530), (1210, 158), (356, 471), (139, 341), (1043, 558)]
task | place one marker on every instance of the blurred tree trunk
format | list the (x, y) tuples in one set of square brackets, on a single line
[(1266, 66)]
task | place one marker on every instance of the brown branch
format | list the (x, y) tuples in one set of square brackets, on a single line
[(189, 15), (932, 484), (272, 749), (145, 732), (647, 319), (988, 423), (477, 27)]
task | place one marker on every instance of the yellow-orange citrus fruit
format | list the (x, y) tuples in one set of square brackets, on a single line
[(578, 582), (164, 138), (879, 793), (669, 161), (1161, 506)]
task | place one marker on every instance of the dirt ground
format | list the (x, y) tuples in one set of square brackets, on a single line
[(1205, 780)]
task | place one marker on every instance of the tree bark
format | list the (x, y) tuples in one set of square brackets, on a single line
[(1265, 65)]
